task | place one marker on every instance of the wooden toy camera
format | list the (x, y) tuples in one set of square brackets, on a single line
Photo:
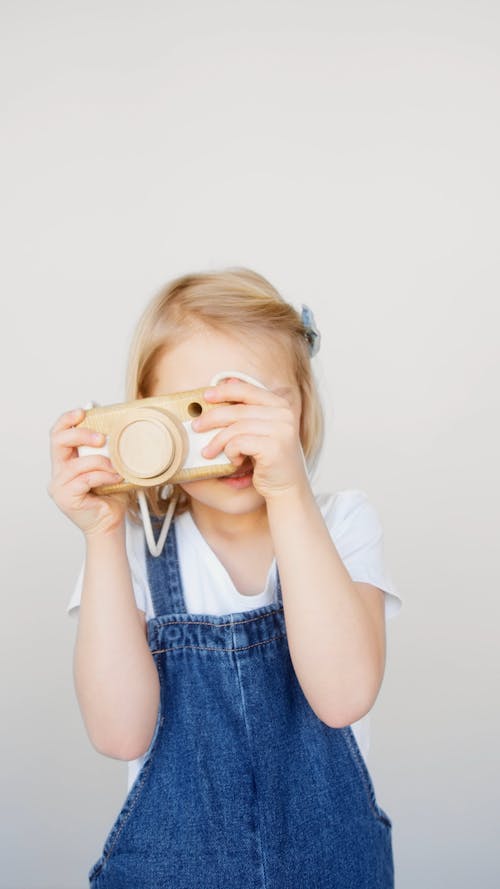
[(150, 441)]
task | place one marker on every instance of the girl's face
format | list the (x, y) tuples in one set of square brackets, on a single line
[(199, 355)]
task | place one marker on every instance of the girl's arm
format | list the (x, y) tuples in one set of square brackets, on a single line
[(336, 636), (335, 628), (116, 679)]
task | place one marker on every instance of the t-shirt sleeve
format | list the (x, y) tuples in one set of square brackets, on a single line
[(134, 542), (357, 533)]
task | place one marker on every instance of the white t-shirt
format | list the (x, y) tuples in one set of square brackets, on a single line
[(355, 529)]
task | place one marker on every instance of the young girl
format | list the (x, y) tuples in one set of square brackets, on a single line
[(235, 670)]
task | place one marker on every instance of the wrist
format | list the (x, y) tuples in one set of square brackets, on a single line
[(99, 538), (292, 497)]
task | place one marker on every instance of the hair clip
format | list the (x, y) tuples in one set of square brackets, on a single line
[(311, 331)]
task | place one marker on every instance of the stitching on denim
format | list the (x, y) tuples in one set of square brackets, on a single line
[(245, 720), (363, 772), (204, 648), (207, 623), (133, 802), (175, 591), (131, 806)]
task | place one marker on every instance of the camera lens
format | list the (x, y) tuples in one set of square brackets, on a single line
[(146, 448)]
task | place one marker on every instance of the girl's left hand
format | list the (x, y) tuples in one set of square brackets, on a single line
[(260, 424)]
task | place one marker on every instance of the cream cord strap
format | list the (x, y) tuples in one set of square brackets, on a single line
[(155, 546)]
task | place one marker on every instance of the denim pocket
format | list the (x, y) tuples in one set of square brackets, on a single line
[(132, 797), (364, 774)]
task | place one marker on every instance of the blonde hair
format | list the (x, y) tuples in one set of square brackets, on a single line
[(235, 298)]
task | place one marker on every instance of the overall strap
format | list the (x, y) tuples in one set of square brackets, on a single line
[(164, 578), (279, 597)]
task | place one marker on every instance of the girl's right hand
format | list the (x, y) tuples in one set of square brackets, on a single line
[(74, 476)]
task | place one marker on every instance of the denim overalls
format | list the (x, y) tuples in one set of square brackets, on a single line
[(243, 786)]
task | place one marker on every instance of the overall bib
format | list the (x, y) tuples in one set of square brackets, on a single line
[(243, 786)]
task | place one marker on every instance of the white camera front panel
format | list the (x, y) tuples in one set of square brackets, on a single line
[(196, 442)]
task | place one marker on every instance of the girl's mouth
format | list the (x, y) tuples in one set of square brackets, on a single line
[(241, 478)]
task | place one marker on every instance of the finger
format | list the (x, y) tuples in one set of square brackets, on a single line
[(65, 494), (244, 446), (219, 442), (79, 465), (70, 418), (225, 414), (67, 420), (77, 435), (65, 441), (83, 483), (239, 390)]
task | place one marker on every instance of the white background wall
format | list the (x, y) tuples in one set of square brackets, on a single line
[(349, 152)]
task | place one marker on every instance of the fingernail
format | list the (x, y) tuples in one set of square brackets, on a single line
[(208, 393), (97, 436), (195, 424)]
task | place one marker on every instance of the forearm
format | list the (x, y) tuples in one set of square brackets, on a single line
[(116, 679), (335, 652)]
